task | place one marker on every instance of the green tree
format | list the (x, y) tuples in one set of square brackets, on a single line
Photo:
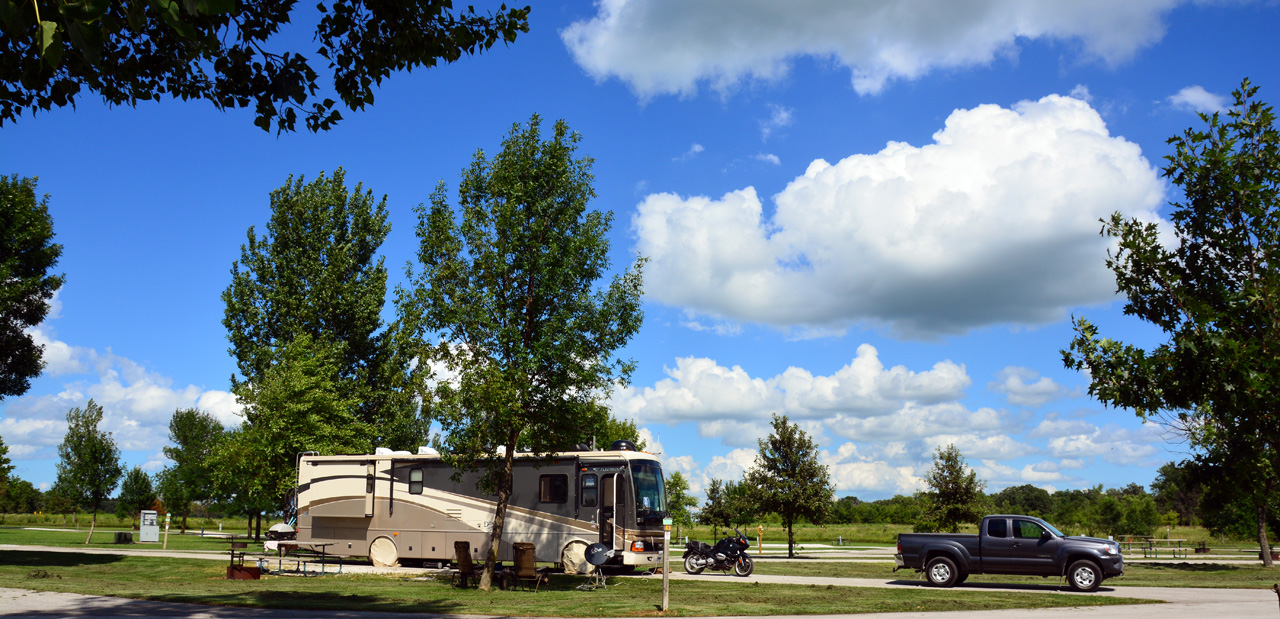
[(678, 501), (27, 253), (194, 436), (715, 511), (22, 498), (1108, 515), (298, 405), (955, 493), (89, 461), (1140, 516), (1178, 489), (788, 479), (1025, 499), (508, 301), (230, 53), (1215, 293), (136, 493), (742, 503)]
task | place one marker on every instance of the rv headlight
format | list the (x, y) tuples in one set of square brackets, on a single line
[(637, 547)]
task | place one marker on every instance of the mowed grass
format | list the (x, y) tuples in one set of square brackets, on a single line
[(201, 582), (1135, 575), (105, 538)]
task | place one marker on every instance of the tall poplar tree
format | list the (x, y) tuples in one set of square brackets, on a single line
[(1214, 289), (89, 461), (303, 315), (509, 300), (788, 478)]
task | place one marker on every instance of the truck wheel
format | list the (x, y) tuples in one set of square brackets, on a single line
[(962, 577), (1084, 575), (942, 572)]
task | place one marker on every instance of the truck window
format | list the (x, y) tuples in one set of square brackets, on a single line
[(553, 488), (589, 490), (997, 527), (1025, 529)]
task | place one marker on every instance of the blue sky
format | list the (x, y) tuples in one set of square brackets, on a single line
[(874, 217)]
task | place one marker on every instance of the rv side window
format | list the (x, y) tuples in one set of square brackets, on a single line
[(553, 488), (368, 484), (415, 481), (589, 490)]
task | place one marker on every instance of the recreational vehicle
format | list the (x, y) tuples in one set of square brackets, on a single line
[(391, 506)]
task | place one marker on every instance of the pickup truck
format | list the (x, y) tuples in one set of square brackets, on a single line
[(1009, 544)]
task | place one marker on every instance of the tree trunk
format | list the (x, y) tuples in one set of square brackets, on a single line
[(499, 513), (257, 535), (1262, 533), (791, 541), (93, 523)]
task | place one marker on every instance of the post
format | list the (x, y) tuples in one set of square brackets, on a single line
[(166, 531), (760, 539), (666, 563)]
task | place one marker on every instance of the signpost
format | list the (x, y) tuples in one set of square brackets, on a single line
[(666, 562), (166, 532)]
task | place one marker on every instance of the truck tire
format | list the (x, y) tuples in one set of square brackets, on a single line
[(941, 572), (1084, 575), (962, 577)]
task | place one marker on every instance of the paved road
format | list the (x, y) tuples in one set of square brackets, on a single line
[(1182, 603)]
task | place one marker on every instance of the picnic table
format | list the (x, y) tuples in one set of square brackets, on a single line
[(237, 570), (300, 562), (1171, 546)]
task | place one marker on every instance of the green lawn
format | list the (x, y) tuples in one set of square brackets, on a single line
[(176, 580), (1145, 575), (105, 538)]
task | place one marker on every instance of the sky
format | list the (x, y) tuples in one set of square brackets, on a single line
[(875, 217)]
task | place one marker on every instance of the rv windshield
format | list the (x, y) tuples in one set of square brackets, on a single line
[(651, 501)]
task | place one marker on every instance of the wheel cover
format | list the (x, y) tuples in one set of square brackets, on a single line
[(382, 553), (1084, 577), (574, 558), (940, 572)]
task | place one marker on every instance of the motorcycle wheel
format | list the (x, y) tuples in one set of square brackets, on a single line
[(744, 566), (691, 564)]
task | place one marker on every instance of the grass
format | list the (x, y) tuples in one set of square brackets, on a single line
[(105, 538), (1145, 575), (176, 580)]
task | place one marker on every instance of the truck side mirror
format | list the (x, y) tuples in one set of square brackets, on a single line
[(1045, 535)]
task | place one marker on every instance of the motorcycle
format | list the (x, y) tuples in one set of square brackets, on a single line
[(728, 554)]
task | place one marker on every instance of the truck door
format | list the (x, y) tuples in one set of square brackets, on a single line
[(1033, 548), (996, 546)]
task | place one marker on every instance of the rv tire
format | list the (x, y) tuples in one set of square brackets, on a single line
[(383, 553), (574, 558)]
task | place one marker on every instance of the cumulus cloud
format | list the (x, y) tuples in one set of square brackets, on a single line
[(1197, 99), (672, 47), (1022, 387), (1111, 444), (718, 397), (995, 222), (137, 403)]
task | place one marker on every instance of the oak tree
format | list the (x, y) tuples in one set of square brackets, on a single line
[(27, 254), (1213, 287), (89, 461), (232, 54), (955, 493), (193, 435), (788, 478)]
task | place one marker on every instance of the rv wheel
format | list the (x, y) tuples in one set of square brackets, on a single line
[(574, 558), (383, 553)]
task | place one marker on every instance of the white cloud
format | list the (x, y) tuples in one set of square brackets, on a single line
[(1197, 99), (137, 403), (768, 158), (779, 117), (693, 151), (722, 399), (1022, 388), (672, 46), (994, 222), (1111, 444)]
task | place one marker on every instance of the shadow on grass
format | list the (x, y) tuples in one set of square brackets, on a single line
[(999, 586), (1198, 567), (36, 558)]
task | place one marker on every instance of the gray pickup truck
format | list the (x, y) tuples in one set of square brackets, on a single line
[(1008, 544)]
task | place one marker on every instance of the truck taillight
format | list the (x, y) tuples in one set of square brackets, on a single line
[(899, 546)]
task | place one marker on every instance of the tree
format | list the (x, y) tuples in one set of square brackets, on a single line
[(222, 51), (1215, 293), (89, 462), (194, 436), (136, 493), (22, 498), (1178, 489), (678, 501), (715, 511), (508, 302), (741, 502), (1025, 499), (956, 493), (27, 253), (317, 273), (788, 479)]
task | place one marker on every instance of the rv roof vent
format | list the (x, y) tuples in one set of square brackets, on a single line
[(622, 444), (382, 451), (582, 447), (423, 450)]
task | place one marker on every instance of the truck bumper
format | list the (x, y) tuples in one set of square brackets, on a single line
[(899, 560), (1113, 566)]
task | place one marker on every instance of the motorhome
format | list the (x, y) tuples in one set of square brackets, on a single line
[(394, 506)]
